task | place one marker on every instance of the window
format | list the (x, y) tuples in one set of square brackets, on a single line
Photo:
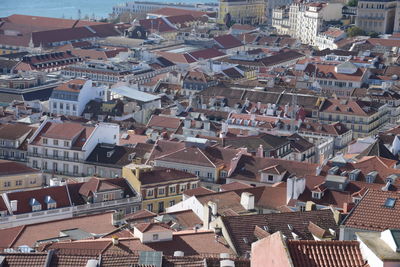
[(390, 202), (197, 173), (270, 178), (182, 187), (172, 189), (51, 206), (150, 192), (66, 154), (316, 195), (36, 207), (55, 153), (66, 143), (76, 156), (75, 169), (55, 142), (194, 185), (35, 150), (35, 164), (150, 207), (55, 166), (45, 141), (210, 175), (61, 106), (161, 206), (302, 208), (171, 203), (223, 174), (155, 236), (7, 184), (18, 182), (65, 168), (46, 152), (161, 191), (44, 165)]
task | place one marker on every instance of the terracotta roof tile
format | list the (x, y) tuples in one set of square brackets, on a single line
[(371, 209), (227, 41), (305, 253), (241, 228)]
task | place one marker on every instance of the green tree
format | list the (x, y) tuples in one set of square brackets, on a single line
[(352, 3), (373, 34), (355, 31)]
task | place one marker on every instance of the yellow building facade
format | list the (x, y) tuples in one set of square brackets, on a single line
[(244, 12), (160, 188)]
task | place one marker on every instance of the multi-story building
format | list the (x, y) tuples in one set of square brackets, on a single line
[(17, 176), (340, 79), (13, 140), (145, 7), (70, 98), (363, 118), (376, 16), (327, 39), (242, 11), (280, 20), (270, 5), (61, 201), (62, 147), (160, 187), (305, 20)]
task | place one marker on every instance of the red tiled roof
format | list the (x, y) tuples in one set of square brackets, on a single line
[(13, 168), (371, 209), (241, 228), (140, 215), (95, 185), (227, 41), (352, 107), (234, 186), (305, 253), (206, 53), (41, 231), (71, 86), (152, 227), (157, 24), (164, 122), (198, 191), (57, 193)]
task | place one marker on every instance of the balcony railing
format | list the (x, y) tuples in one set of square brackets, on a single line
[(55, 157)]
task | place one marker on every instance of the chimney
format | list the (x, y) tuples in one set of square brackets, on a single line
[(14, 205), (92, 263), (206, 125), (310, 206), (347, 207), (247, 200), (260, 151), (294, 188), (214, 208), (115, 240), (187, 123)]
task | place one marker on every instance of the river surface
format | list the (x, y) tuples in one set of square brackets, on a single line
[(68, 9)]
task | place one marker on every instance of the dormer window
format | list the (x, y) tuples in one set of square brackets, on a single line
[(155, 237), (316, 195), (356, 200), (45, 141), (354, 174), (391, 178), (333, 170), (371, 177), (36, 206), (50, 202)]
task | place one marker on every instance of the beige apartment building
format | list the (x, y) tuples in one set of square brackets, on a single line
[(376, 16), (363, 118)]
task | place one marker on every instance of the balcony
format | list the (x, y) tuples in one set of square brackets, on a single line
[(44, 156), (112, 204)]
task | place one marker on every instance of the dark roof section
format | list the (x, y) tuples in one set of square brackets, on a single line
[(114, 156), (241, 228)]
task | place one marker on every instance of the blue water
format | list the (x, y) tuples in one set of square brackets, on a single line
[(65, 8)]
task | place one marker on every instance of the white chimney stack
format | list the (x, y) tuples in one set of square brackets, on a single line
[(247, 200), (14, 205)]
